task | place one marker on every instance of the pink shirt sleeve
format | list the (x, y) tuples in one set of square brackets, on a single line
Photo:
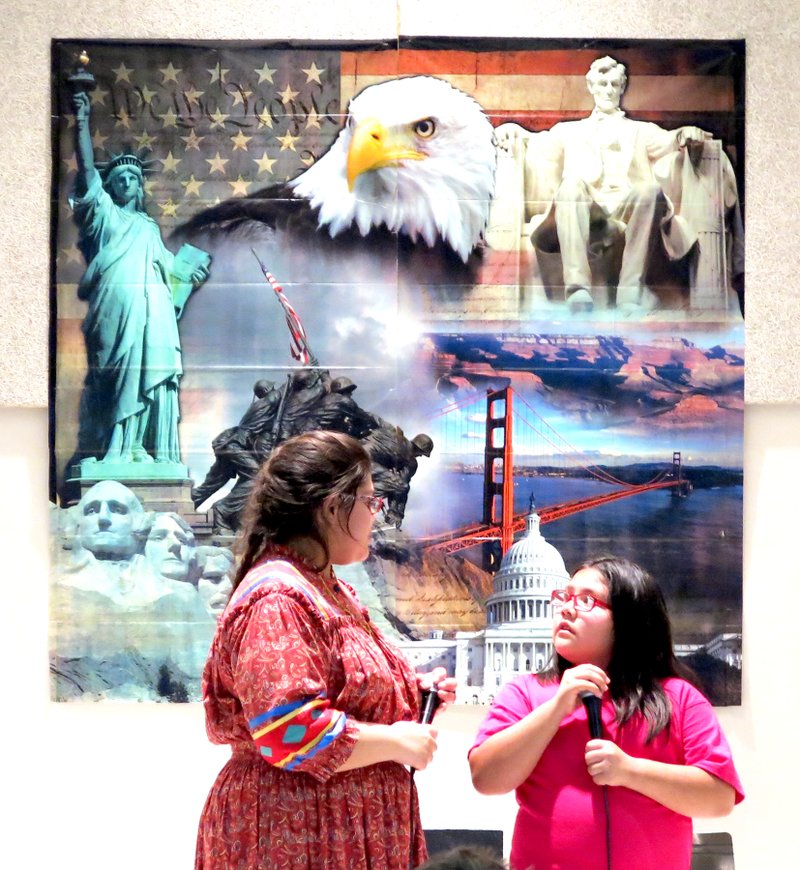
[(513, 702), (704, 744)]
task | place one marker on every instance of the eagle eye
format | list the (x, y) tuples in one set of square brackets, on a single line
[(425, 128)]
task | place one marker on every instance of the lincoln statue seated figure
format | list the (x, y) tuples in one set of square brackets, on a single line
[(612, 195)]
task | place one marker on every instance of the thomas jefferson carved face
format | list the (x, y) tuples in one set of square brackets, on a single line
[(108, 517)]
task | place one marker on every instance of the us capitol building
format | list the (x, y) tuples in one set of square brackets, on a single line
[(518, 635)]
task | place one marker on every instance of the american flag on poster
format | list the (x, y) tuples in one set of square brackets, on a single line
[(216, 123), (224, 122), (298, 346), (693, 84)]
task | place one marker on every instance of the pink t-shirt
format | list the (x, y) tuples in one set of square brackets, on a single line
[(561, 820)]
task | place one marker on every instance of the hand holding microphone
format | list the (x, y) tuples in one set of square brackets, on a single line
[(428, 704), (431, 687), (424, 738), (575, 683), (436, 690), (604, 761)]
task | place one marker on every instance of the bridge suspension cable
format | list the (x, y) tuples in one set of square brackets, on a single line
[(564, 448)]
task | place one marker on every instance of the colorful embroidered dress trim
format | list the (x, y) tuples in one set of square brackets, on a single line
[(291, 733), (284, 572)]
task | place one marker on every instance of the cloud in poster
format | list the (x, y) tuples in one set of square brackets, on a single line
[(633, 397)]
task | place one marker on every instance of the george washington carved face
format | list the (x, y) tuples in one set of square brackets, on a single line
[(109, 516)]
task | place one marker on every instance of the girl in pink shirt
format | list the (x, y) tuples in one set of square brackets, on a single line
[(662, 755)]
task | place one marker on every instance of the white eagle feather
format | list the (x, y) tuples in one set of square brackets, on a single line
[(416, 155)]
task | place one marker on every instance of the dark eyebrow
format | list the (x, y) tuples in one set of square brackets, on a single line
[(581, 590)]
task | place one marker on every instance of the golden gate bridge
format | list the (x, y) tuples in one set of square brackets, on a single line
[(499, 521)]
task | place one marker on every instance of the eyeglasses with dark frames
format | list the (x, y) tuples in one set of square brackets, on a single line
[(581, 601)]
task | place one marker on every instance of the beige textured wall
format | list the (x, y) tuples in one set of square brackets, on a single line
[(771, 28)]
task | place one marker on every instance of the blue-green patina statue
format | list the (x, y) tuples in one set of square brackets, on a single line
[(135, 289)]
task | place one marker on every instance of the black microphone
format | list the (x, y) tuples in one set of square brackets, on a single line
[(592, 704), (429, 700), (429, 703)]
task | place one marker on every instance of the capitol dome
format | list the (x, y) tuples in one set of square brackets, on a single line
[(529, 572)]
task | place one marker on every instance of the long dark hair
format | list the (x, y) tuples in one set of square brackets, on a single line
[(290, 488), (642, 653)]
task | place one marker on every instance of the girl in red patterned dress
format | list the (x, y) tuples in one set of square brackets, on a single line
[(319, 709)]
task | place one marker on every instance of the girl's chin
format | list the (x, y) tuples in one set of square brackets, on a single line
[(567, 652)]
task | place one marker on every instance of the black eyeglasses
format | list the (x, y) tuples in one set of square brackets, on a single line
[(581, 601), (374, 503)]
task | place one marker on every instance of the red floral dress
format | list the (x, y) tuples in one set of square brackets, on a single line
[(290, 674)]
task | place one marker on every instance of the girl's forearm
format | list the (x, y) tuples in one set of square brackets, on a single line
[(681, 788)]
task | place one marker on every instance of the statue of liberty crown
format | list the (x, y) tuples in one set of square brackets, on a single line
[(125, 159)]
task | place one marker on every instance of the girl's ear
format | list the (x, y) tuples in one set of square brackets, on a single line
[(329, 508)]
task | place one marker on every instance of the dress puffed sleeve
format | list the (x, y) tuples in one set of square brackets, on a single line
[(280, 672)]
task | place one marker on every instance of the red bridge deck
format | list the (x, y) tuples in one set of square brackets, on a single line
[(470, 536)]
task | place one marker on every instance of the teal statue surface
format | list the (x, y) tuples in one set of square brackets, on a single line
[(135, 289)]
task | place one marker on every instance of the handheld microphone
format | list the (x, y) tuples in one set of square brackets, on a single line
[(429, 703), (592, 704)]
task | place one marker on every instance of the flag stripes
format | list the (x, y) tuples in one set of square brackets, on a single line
[(693, 84), (298, 345)]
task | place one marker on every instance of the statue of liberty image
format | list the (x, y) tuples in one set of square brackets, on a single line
[(135, 289)]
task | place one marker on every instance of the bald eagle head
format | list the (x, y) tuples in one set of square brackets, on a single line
[(415, 155)]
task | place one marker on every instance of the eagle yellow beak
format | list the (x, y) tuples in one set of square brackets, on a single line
[(373, 147)]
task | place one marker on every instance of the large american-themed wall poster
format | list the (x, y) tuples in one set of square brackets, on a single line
[(513, 269)]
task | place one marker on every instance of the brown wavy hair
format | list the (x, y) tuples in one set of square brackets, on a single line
[(291, 487)]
